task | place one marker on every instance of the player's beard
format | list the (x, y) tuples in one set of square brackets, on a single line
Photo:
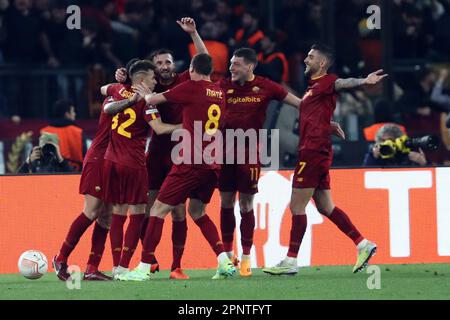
[(166, 75), (308, 71)]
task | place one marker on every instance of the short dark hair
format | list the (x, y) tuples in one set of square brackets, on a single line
[(325, 50), (202, 64), (130, 63), (248, 54), (141, 66), (60, 107), (158, 52)]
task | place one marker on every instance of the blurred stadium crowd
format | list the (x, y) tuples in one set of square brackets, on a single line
[(41, 60)]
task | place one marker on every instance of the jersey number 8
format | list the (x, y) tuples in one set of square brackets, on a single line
[(212, 124)]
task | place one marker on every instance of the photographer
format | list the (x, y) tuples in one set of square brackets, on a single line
[(387, 136), (45, 158)]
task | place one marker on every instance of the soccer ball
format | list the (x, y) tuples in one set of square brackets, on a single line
[(33, 264)]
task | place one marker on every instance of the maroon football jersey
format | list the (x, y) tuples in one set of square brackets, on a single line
[(316, 111), (246, 105), (170, 113), (204, 102), (96, 151), (129, 130)]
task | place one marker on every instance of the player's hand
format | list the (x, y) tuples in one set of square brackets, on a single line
[(135, 97), (375, 77), (337, 130), (36, 153), (187, 24), (142, 90), (417, 157), (121, 75)]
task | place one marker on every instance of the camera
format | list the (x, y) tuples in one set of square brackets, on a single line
[(47, 142), (49, 153), (389, 148)]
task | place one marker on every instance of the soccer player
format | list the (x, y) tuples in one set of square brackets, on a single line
[(159, 161), (248, 96), (94, 207), (125, 174), (202, 105), (311, 178)]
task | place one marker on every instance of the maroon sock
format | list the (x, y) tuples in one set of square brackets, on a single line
[(143, 229), (227, 226), (99, 236), (179, 233), (152, 238), (116, 237), (131, 238), (247, 230), (209, 231), (78, 227), (342, 221), (299, 223)]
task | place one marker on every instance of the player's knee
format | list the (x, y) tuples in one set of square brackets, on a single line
[(93, 213), (297, 208), (158, 210), (196, 214), (195, 211), (324, 211), (227, 200), (104, 221), (246, 205), (179, 213)]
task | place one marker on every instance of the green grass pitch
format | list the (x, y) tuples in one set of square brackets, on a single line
[(419, 281)]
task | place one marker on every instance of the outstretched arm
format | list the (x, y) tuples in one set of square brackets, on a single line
[(163, 128), (292, 100), (149, 96), (349, 83), (188, 25)]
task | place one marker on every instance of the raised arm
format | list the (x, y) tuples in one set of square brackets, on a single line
[(349, 83), (188, 25)]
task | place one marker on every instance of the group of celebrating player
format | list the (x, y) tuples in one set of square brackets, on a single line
[(118, 177)]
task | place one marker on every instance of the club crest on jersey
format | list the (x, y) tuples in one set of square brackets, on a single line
[(256, 89), (125, 93)]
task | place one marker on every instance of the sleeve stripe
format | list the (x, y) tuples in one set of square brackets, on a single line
[(151, 111)]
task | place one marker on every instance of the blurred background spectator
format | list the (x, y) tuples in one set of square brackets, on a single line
[(71, 140), (41, 60), (45, 158), (391, 132)]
